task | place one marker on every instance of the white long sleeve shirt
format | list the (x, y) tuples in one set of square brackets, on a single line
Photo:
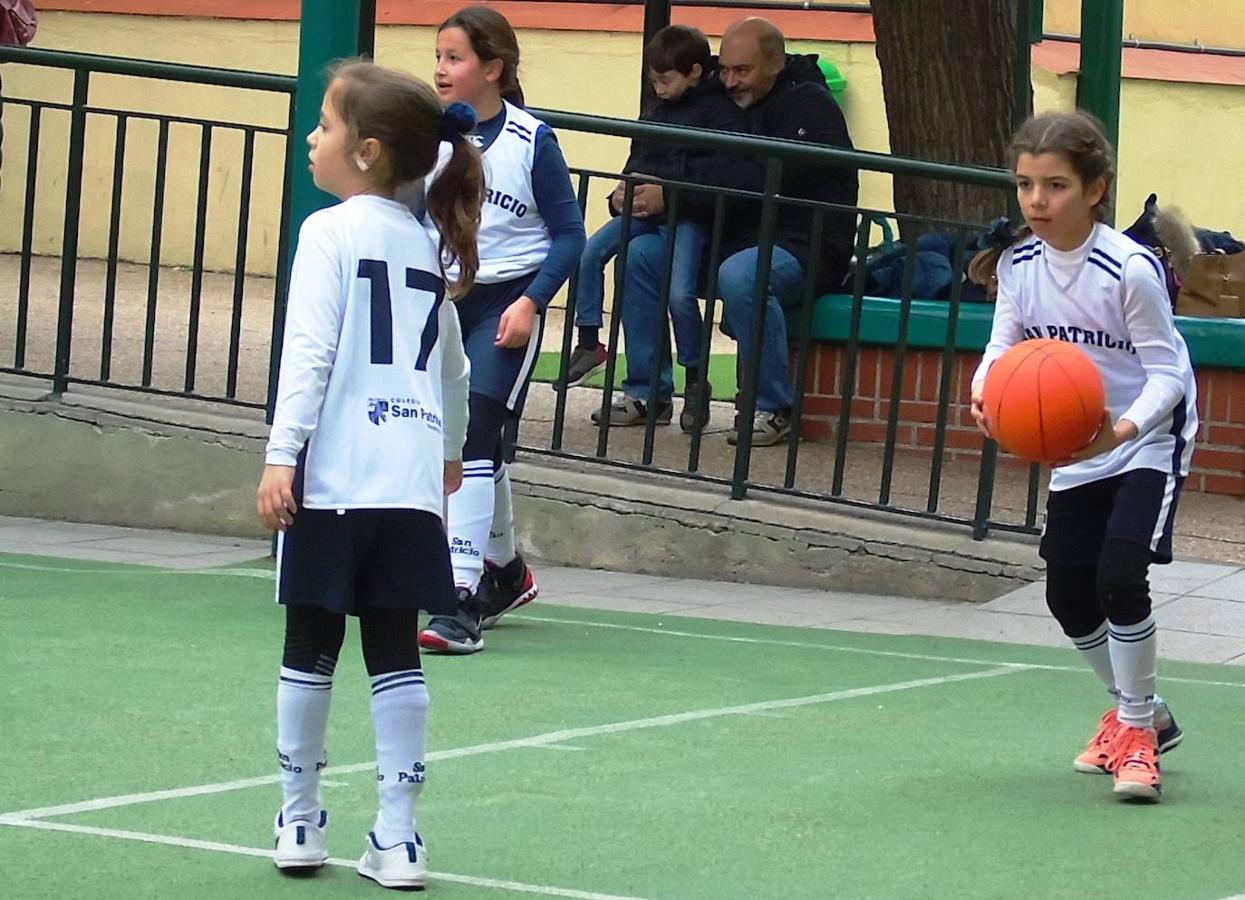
[(373, 380), (1107, 297)]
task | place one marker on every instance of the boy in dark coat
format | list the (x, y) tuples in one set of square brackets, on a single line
[(679, 63)]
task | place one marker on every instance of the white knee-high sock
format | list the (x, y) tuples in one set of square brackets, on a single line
[(1094, 647), (1134, 657), (400, 718), (302, 722), (501, 548), (469, 512)]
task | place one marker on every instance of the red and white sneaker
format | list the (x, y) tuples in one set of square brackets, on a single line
[(505, 588)]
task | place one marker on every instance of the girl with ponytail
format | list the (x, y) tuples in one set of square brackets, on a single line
[(531, 238), (367, 438)]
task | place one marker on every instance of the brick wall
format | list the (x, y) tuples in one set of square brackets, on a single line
[(1218, 458)]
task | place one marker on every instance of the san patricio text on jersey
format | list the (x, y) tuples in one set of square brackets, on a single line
[(1074, 334), (505, 201)]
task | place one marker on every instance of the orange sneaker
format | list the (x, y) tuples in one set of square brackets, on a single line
[(1135, 764), (1097, 753)]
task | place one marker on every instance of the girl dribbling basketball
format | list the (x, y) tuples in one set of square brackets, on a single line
[(1111, 507)]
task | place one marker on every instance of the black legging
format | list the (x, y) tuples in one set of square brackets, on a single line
[(389, 638), (1080, 597)]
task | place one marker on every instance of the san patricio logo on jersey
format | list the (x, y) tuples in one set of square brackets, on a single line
[(377, 410), (380, 411)]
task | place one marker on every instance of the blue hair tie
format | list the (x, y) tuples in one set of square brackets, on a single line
[(457, 118), (998, 237)]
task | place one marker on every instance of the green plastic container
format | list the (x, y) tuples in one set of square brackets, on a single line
[(834, 79)]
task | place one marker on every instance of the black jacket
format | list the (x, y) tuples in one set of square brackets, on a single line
[(800, 108), (708, 106)]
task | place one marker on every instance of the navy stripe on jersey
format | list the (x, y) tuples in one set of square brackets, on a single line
[(1179, 418), (520, 133), (1094, 261), (521, 129), (1034, 254), (1158, 269), (1112, 260), (1025, 248)]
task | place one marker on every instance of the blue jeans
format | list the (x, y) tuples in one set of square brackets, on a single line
[(642, 299), (737, 286)]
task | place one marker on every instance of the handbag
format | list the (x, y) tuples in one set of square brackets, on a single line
[(1215, 287), (18, 22)]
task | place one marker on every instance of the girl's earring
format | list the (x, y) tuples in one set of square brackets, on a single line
[(361, 163)]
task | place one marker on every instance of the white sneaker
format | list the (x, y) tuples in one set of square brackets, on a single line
[(300, 844), (404, 866)]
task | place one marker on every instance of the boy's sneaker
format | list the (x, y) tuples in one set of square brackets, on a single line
[(585, 362), (505, 588), (1134, 764), (630, 411), (695, 406), (300, 844), (768, 428), (459, 633), (404, 866)]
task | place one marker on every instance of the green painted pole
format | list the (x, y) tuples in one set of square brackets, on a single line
[(1102, 47), (328, 30)]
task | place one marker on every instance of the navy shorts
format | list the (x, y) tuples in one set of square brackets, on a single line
[(349, 561), (1138, 507), (500, 373)]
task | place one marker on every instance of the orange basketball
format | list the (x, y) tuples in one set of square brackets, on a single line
[(1044, 400)]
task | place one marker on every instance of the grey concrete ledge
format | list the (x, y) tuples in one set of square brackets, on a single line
[(104, 456)]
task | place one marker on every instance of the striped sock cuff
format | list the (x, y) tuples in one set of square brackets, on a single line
[(1095, 638), (478, 468), (1132, 634), (308, 681), (391, 680)]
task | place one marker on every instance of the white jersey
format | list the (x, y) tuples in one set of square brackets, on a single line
[(373, 377), (1107, 297), (514, 239)]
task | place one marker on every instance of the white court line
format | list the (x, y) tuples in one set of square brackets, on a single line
[(216, 846), (864, 651), (540, 740), (139, 570)]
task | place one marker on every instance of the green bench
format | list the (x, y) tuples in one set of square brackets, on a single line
[(1216, 343)]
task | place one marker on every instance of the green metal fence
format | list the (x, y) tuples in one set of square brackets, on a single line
[(743, 475), (834, 480), (80, 111)]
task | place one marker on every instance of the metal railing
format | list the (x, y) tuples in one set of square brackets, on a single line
[(833, 477), (80, 112), (743, 476)]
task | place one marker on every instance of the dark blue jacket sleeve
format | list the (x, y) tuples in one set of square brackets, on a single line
[(555, 199)]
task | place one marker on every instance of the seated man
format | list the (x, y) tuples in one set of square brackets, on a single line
[(786, 98)]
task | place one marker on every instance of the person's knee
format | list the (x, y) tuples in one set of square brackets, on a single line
[(1122, 583), (486, 418), (313, 638), (389, 638), (737, 279), (1072, 599)]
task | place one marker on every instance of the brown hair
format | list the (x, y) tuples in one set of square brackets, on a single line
[(1079, 137), (678, 48), (491, 38), (403, 114)]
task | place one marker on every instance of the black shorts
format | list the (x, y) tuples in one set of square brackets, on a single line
[(352, 560), (1137, 506), (501, 373)]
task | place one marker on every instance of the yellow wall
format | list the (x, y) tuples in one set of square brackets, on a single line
[(587, 72), (1215, 23)]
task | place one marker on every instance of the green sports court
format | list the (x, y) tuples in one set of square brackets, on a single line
[(591, 753)]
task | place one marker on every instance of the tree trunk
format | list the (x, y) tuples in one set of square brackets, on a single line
[(947, 81)]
